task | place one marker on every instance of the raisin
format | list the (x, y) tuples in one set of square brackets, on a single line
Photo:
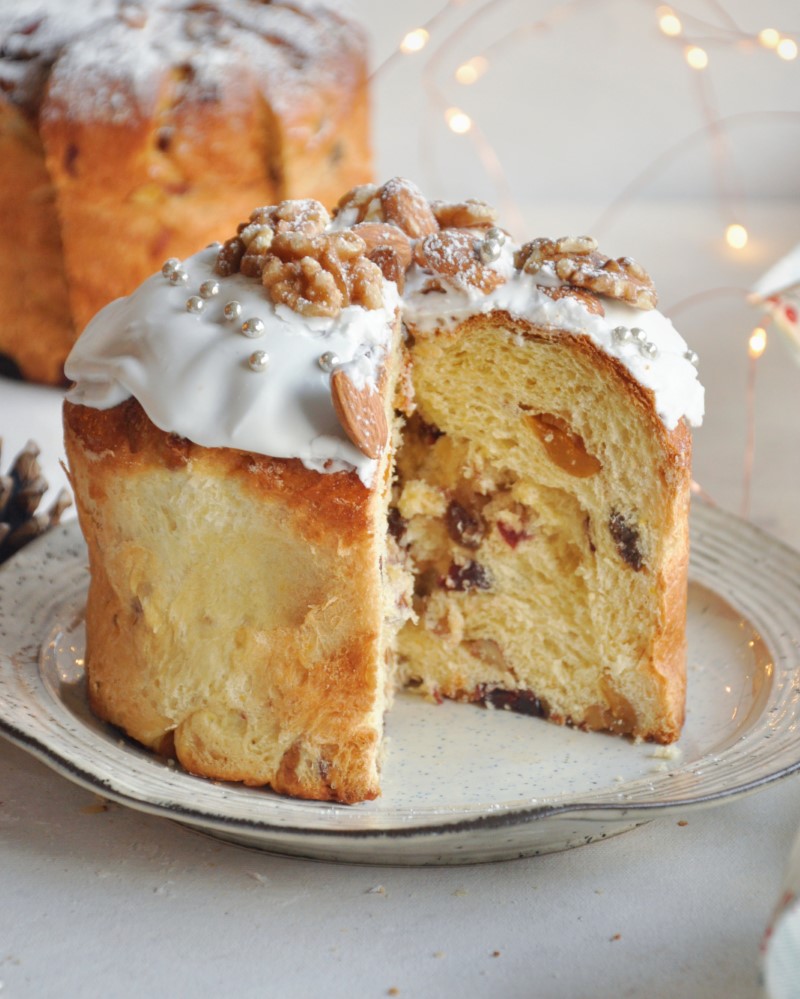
[(626, 538), (464, 528), (396, 524), (524, 702), (470, 576), (429, 432)]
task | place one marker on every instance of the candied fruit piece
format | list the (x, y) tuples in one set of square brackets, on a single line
[(564, 447)]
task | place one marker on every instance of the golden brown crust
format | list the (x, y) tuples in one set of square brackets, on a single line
[(261, 669)]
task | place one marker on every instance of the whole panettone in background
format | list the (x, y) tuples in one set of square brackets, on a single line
[(131, 132), (290, 510)]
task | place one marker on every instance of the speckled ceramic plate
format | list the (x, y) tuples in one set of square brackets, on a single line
[(461, 784)]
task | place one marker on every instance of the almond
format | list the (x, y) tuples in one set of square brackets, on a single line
[(379, 234), (453, 253), (361, 414), (407, 207), (387, 260)]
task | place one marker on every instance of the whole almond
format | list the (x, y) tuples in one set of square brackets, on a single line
[(377, 234), (361, 414), (387, 260), (407, 207)]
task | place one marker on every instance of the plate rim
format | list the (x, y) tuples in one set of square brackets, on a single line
[(632, 812)]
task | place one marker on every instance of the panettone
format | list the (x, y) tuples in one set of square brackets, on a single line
[(131, 132), (290, 511)]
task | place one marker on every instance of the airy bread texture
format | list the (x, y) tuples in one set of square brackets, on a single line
[(129, 134), (225, 624), (494, 509), (544, 506)]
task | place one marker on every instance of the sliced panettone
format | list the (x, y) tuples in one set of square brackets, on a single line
[(492, 507)]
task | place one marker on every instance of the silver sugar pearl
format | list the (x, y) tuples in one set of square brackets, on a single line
[(638, 335), (178, 276), (620, 334), (208, 289), (232, 311), (648, 349), (253, 327), (169, 267), (692, 358), (258, 360), (489, 250), (496, 234), (195, 304), (328, 360)]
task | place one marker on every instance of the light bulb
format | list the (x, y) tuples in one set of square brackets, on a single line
[(414, 41), (787, 49), (757, 343), (696, 57), (458, 120), (736, 236), (769, 38), (669, 22), (472, 70)]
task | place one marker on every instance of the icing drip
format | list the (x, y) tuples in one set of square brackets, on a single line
[(190, 369)]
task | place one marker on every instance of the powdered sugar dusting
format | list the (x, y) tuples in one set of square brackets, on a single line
[(110, 58)]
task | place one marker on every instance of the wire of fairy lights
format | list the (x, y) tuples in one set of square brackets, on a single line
[(699, 38)]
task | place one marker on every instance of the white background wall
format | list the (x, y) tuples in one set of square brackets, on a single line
[(579, 110)]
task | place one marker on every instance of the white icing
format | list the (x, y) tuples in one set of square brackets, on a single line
[(191, 375), (671, 377)]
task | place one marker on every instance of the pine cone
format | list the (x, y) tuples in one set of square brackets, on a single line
[(21, 491)]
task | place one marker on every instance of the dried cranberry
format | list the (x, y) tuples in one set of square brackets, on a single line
[(511, 537), (464, 528), (470, 576)]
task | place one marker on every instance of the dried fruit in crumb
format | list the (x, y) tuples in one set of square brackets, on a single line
[(464, 527), (467, 576), (565, 449), (626, 539)]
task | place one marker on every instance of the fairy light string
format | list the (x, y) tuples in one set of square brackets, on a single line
[(698, 39)]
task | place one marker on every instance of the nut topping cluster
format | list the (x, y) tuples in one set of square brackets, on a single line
[(577, 261), (315, 273), (317, 267), (447, 236)]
